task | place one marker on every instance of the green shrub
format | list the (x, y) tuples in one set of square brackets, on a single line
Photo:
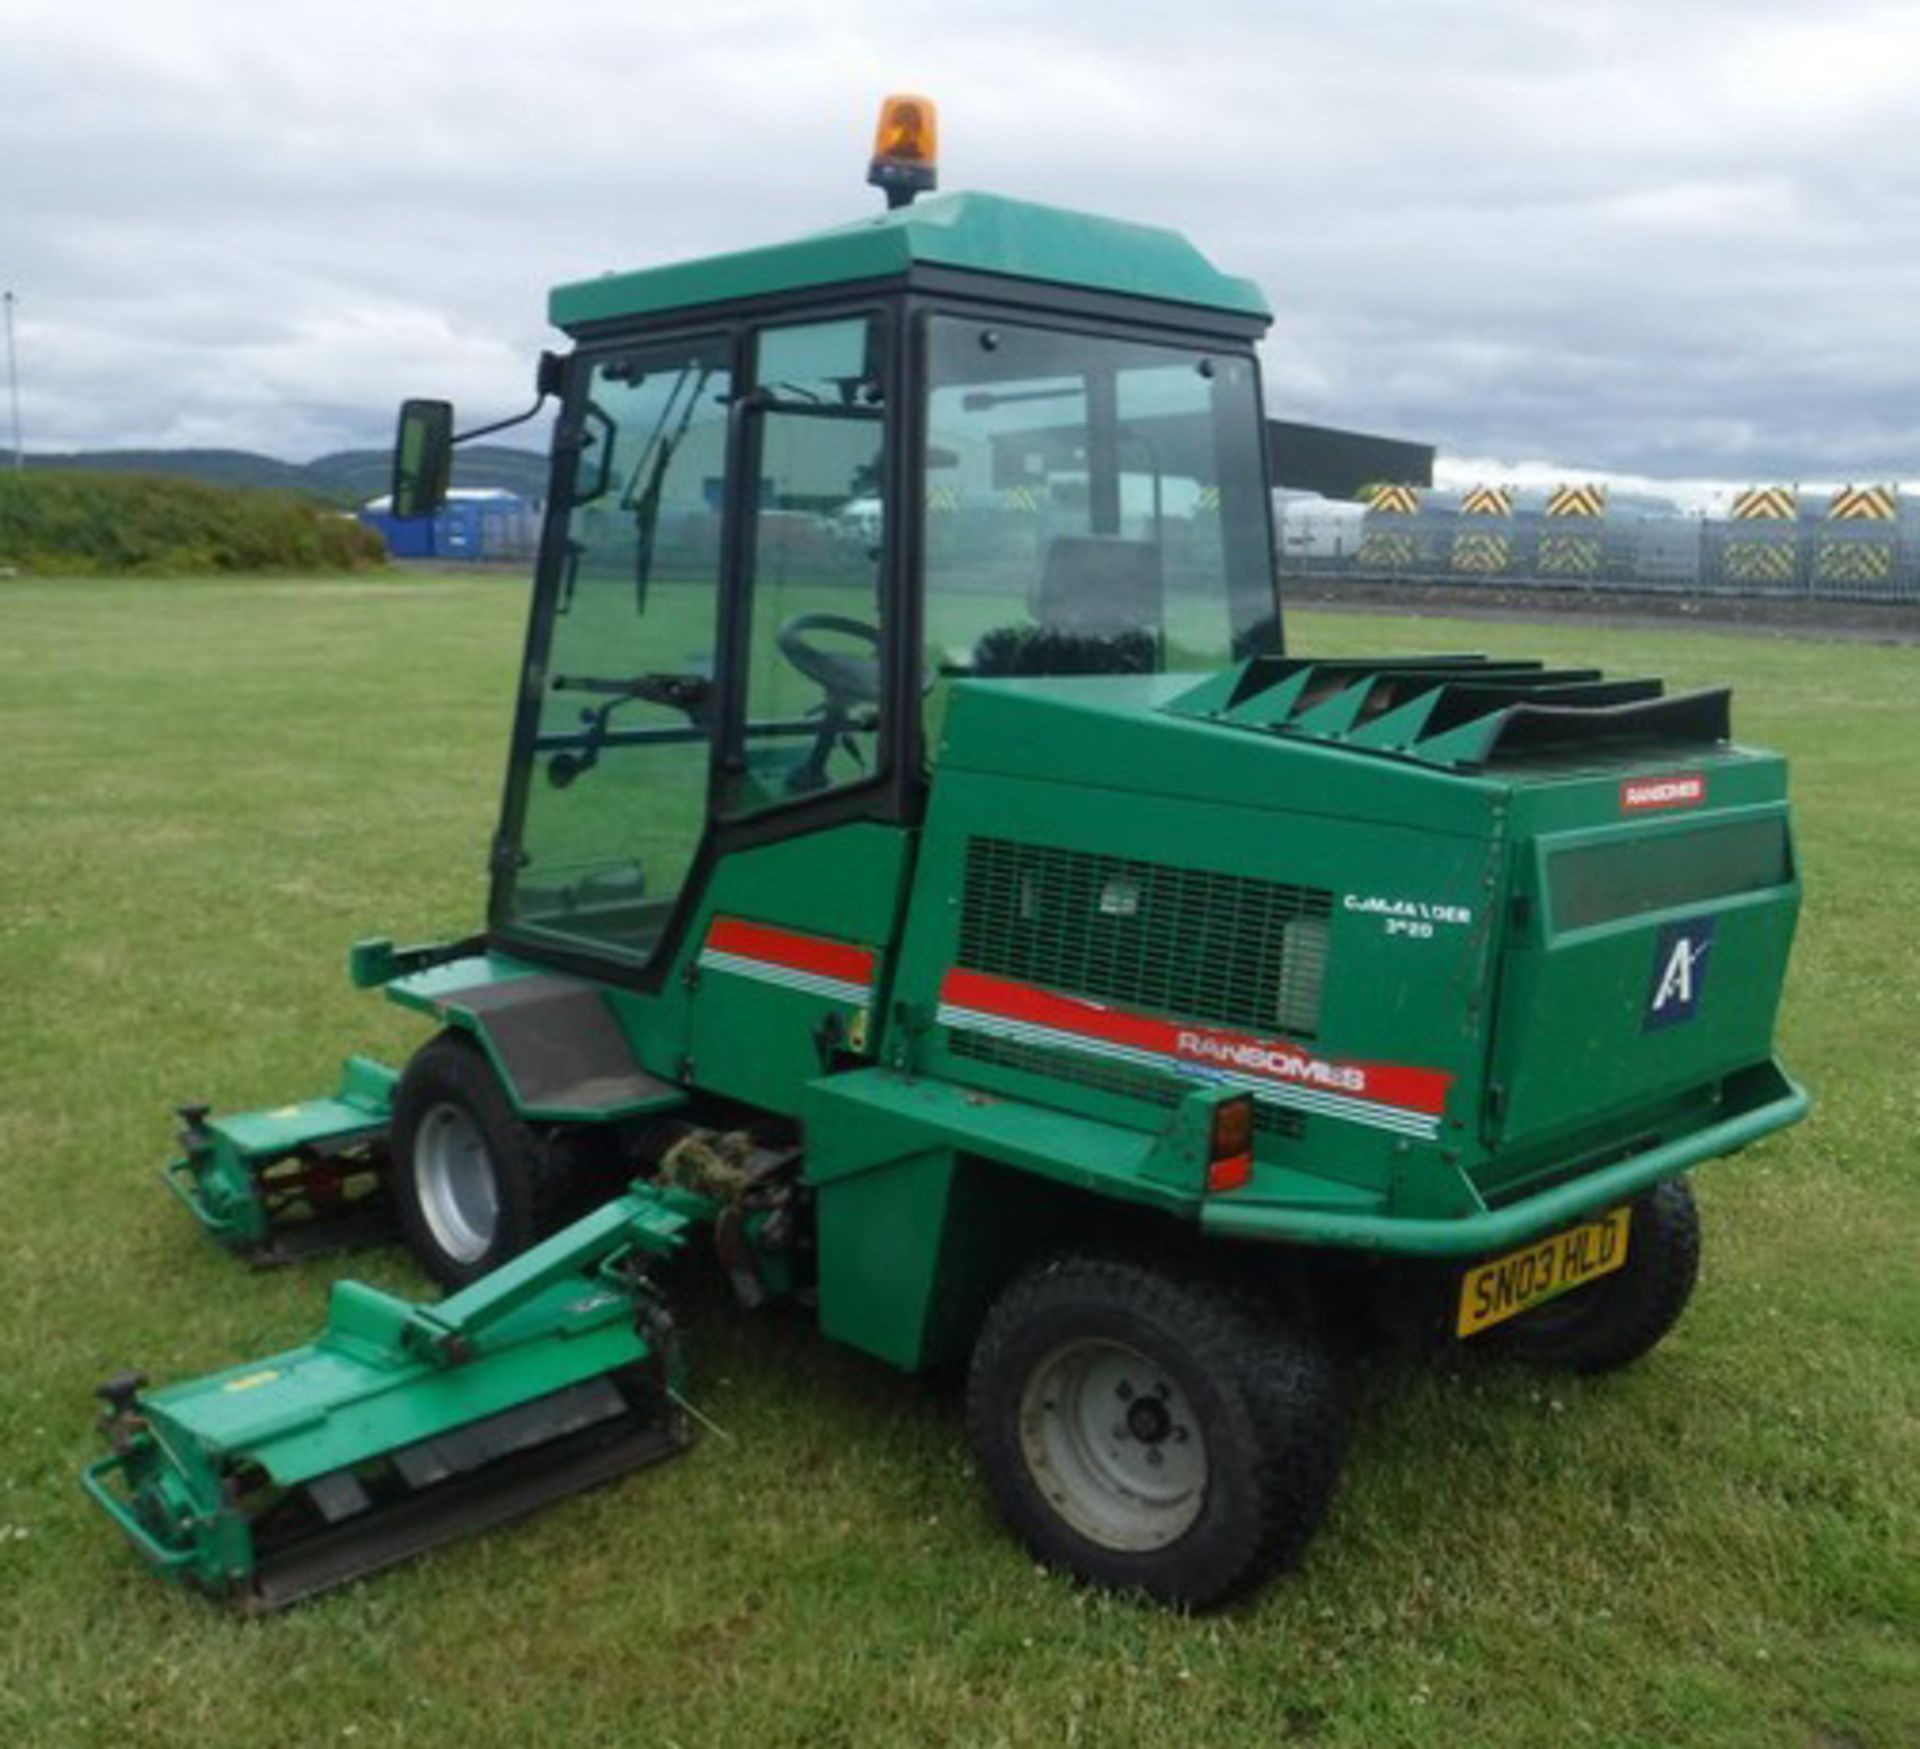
[(64, 523)]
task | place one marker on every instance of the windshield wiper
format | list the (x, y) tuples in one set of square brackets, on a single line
[(645, 503)]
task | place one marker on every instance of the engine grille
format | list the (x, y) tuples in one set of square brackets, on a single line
[(1186, 942)]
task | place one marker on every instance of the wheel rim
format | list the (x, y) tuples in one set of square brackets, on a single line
[(1114, 1445), (453, 1175)]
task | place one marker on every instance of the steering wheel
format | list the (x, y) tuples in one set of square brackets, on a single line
[(846, 679)]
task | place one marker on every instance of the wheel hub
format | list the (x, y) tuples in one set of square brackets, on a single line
[(1113, 1443), (1148, 1420), (454, 1178)]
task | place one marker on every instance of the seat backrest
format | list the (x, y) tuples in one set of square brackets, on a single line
[(1099, 583)]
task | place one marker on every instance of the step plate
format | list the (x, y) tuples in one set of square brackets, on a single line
[(560, 1046)]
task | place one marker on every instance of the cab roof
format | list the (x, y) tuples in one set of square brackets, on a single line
[(973, 233)]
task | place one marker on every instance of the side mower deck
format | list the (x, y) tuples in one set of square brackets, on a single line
[(294, 1180), (404, 1426), (297, 1180)]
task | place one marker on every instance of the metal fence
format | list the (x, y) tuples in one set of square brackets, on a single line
[(1830, 549)]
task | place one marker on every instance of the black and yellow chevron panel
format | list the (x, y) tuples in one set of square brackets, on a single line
[(1488, 501), (1767, 504), (1385, 549), (1395, 501), (1753, 561), (1587, 500), (1864, 504), (1569, 555), (1853, 561), (1482, 553)]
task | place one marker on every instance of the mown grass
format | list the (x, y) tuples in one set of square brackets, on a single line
[(207, 790)]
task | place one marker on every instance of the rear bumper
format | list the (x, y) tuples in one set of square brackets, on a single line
[(1765, 1099)]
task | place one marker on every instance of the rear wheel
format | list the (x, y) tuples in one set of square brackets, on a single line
[(1145, 1432), (1614, 1321), (472, 1184)]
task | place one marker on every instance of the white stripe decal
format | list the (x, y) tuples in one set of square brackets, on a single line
[(1301, 1098), (808, 983)]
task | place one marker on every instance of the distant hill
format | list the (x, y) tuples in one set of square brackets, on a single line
[(347, 478)]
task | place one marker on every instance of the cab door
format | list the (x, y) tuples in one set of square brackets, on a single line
[(791, 948), (607, 799)]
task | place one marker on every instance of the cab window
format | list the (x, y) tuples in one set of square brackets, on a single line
[(811, 610), (1093, 505)]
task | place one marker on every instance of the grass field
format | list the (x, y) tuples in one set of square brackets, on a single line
[(207, 790)]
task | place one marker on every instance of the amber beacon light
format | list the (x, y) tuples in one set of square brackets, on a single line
[(906, 149)]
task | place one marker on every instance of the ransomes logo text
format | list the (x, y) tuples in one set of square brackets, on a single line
[(1266, 1059), (1680, 789)]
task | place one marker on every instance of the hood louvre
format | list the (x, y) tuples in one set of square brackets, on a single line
[(1457, 712)]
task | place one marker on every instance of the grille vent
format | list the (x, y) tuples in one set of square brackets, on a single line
[(1186, 942), (1121, 1078)]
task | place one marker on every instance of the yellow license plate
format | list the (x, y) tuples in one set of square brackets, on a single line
[(1493, 1292)]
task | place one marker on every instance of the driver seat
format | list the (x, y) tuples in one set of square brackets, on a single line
[(1096, 608), (1101, 585)]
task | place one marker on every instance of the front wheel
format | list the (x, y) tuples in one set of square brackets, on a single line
[(473, 1186), (1152, 1433)]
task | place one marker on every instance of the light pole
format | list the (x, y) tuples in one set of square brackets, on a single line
[(13, 385), (12, 379)]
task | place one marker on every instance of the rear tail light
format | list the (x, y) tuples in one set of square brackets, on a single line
[(1230, 1145)]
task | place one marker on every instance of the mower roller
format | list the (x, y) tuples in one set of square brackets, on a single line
[(924, 877)]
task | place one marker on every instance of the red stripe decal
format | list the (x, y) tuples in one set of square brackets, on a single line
[(797, 953), (1393, 1085)]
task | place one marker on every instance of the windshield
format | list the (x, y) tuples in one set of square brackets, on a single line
[(1093, 505), (608, 799)]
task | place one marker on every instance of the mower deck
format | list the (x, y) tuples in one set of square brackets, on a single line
[(295, 1180), (406, 1425)]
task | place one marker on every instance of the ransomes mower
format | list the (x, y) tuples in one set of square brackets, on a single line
[(924, 879)]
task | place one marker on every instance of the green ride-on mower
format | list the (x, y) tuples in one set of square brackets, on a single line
[(924, 878)]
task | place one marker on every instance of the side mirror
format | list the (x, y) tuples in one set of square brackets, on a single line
[(422, 457)]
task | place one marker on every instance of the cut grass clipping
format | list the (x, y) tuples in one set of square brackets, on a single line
[(210, 788)]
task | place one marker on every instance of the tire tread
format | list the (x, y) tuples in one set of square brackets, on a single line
[(1278, 1381), (1629, 1313)]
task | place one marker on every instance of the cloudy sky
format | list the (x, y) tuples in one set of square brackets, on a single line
[(1676, 239)]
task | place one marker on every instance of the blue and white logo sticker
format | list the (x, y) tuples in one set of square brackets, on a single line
[(1679, 972)]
